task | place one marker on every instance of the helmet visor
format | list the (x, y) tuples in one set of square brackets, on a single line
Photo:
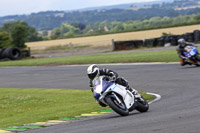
[(93, 75), (182, 44)]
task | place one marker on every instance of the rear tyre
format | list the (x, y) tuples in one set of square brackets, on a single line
[(143, 105), (119, 108), (12, 53), (198, 57), (198, 60), (198, 64)]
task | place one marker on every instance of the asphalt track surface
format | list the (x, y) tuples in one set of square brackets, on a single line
[(177, 112)]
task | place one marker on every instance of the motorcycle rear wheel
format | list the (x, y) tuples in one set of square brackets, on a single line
[(198, 60), (143, 106), (117, 107), (198, 57)]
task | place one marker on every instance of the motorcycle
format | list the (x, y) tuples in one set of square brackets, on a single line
[(192, 55), (117, 97)]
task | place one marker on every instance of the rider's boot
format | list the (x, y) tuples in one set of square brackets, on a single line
[(135, 93), (188, 63), (185, 62)]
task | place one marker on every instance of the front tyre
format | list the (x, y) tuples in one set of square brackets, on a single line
[(143, 105), (119, 108)]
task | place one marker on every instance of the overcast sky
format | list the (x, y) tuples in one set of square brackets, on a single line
[(19, 7)]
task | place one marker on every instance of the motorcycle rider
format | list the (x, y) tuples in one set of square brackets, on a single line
[(180, 50), (94, 72)]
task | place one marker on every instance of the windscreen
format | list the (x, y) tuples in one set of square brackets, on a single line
[(106, 84)]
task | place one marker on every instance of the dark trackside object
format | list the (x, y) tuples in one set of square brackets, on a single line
[(12, 53)]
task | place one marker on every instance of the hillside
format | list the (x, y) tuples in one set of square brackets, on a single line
[(124, 6), (52, 19)]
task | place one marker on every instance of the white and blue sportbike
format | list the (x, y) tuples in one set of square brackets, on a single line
[(117, 97), (192, 55)]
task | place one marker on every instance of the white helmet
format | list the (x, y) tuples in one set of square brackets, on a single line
[(93, 71), (182, 42)]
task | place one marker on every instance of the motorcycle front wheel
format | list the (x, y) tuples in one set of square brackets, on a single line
[(119, 108)]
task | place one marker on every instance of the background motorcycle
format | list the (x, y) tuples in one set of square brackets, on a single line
[(115, 96), (192, 55)]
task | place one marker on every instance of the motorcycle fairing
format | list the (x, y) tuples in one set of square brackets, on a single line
[(103, 88), (190, 51)]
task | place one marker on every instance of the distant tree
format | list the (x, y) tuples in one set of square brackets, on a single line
[(69, 34), (197, 17), (81, 26), (55, 33), (5, 40), (32, 35), (19, 35), (20, 32), (117, 27), (65, 30), (88, 29)]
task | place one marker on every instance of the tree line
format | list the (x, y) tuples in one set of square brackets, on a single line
[(16, 34), (106, 27)]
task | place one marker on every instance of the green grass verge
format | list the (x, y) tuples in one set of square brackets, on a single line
[(152, 56), (23, 106)]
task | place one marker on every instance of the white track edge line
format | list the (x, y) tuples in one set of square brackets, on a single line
[(122, 64), (158, 97)]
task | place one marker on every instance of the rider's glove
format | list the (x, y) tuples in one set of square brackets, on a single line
[(124, 81), (113, 76), (92, 89), (91, 86)]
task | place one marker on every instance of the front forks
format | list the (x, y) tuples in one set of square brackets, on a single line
[(116, 97)]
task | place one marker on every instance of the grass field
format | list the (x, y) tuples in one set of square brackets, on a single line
[(23, 106), (150, 56), (106, 40)]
